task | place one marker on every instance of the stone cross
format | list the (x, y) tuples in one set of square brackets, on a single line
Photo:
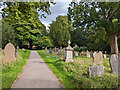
[(114, 63), (9, 53), (87, 54), (98, 58), (69, 53)]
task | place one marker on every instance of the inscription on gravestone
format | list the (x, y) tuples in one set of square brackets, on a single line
[(9, 53), (96, 70), (114, 63)]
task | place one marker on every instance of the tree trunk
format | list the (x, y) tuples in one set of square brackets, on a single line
[(31, 45), (113, 43)]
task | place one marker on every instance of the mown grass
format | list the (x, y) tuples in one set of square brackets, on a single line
[(11, 70), (74, 74)]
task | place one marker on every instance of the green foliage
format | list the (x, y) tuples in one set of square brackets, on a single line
[(82, 49), (25, 20), (76, 49), (59, 31), (78, 37), (74, 74), (11, 71), (8, 34), (43, 41), (99, 21)]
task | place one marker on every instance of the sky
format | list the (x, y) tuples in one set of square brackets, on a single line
[(60, 8)]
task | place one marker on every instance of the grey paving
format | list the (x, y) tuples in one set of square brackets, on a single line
[(36, 74)]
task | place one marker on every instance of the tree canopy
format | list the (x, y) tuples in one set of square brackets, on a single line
[(24, 18), (60, 31), (97, 15)]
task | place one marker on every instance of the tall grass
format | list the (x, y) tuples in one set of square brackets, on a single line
[(74, 74), (11, 70)]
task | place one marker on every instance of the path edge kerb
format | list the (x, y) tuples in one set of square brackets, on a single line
[(61, 85), (21, 71)]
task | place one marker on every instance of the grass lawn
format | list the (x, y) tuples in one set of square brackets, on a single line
[(74, 74), (11, 71)]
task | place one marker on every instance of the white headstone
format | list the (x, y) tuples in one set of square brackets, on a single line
[(69, 53)]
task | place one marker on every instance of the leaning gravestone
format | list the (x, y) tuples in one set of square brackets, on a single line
[(87, 54), (69, 53), (96, 70), (114, 63), (98, 58), (9, 53)]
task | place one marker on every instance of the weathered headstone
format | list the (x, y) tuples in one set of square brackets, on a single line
[(98, 58), (59, 53), (87, 54), (16, 51), (96, 70), (114, 63), (9, 53), (45, 48), (104, 55), (76, 53), (69, 53), (119, 64)]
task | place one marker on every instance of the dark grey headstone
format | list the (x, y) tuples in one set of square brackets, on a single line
[(119, 63), (114, 63), (96, 70)]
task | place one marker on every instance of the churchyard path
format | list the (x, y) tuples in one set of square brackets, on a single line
[(36, 74)]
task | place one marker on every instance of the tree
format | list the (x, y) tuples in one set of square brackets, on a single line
[(78, 37), (98, 15), (43, 41), (60, 31), (25, 19), (8, 34)]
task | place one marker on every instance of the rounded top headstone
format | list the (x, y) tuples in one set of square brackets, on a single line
[(9, 53), (10, 45)]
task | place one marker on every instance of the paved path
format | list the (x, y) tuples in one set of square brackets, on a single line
[(36, 74)]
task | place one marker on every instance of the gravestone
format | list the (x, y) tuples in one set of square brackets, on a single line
[(96, 70), (87, 54), (60, 52), (114, 63), (45, 48), (76, 53), (9, 53), (98, 58), (0, 50), (16, 51), (91, 53), (69, 53), (104, 55), (119, 63)]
